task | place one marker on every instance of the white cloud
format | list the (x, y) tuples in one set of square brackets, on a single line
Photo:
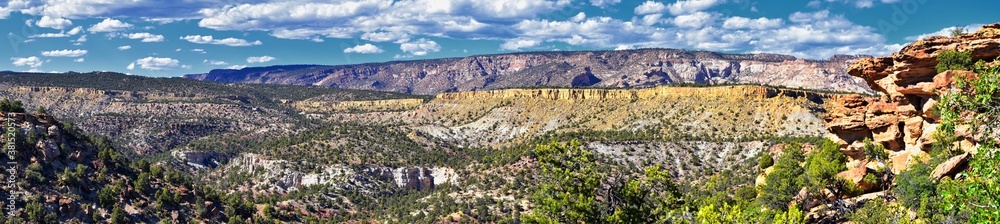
[(420, 47), (75, 30), (198, 50), (78, 60), (109, 25), (145, 37), (233, 42), (81, 39), (261, 59), (399, 37), (808, 17), (855, 3), (650, 7), (214, 62), (125, 47), (64, 53), (761, 23), (33, 62), (364, 49), (946, 32), (71, 32), (236, 67), (578, 17), (682, 7), (54, 22), (155, 63), (516, 44), (695, 20), (624, 47), (604, 3)]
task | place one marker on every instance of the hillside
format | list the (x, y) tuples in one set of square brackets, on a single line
[(152, 115), (618, 69), (69, 177)]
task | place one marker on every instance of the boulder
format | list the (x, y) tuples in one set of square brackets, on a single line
[(928, 109), (912, 129), (856, 175), (943, 81), (953, 166), (49, 149), (889, 136)]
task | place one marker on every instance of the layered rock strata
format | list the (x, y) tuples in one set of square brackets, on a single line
[(904, 119)]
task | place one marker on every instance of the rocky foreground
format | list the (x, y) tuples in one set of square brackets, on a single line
[(619, 69), (904, 120)]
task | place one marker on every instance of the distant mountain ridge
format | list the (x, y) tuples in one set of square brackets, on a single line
[(618, 69)]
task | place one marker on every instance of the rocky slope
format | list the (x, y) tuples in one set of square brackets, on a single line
[(905, 120), (503, 117), (627, 68), (63, 176)]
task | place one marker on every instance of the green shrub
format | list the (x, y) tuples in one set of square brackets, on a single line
[(914, 184), (785, 181), (765, 161), (878, 211), (954, 60), (823, 164)]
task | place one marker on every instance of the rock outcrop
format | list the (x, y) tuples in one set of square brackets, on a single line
[(739, 91), (619, 69), (358, 106), (905, 118)]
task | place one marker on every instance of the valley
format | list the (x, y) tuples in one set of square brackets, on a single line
[(641, 135)]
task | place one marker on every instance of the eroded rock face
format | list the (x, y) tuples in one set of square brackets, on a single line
[(626, 68), (904, 120)]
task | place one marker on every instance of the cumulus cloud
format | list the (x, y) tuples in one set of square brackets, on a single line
[(33, 62), (517, 44), (695, 20), (109, 25), (232, 42), (261, 59), (78, 60), (682, 7), (855, 3), (214, 62), (604, 3), (399, 37), (649, 7), (420, 47), (145, 37), (236, 67), (125, 47), (946, 31), (348, 19), (155, 63), (64, 53), (364, 49), (54, 22), (71, 32), (761, 23)]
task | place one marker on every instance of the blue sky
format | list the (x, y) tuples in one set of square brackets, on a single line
[(176, 37)]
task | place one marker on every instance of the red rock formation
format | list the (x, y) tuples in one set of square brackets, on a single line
[(904, 120)]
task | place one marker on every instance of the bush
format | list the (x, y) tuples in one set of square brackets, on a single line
[(823, 164), (786, 180), (765, 161), (878, 211), (915, 189), (8, 106), (954, 60)]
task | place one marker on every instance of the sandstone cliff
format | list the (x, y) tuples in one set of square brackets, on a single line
[(904, 121), (629, 68)]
